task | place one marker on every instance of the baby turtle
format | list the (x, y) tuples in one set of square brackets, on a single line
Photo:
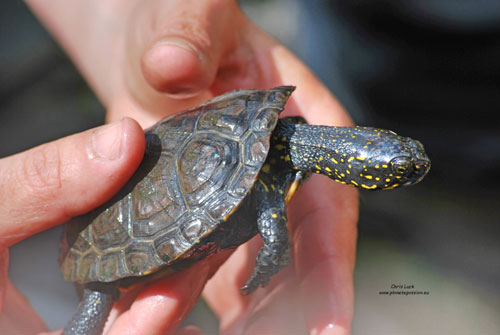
[(213, 177)]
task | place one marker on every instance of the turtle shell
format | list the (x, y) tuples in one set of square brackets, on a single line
[(198, 167)]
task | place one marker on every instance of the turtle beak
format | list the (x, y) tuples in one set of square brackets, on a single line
[(422, 167)]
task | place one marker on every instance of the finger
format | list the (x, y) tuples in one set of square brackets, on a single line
[(51, 183), (324, 238), (180, 50), (161, 307)]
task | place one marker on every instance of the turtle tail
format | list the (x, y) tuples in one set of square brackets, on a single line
[(93, 311)]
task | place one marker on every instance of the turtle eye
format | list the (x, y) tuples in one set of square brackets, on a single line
[(401, 166)]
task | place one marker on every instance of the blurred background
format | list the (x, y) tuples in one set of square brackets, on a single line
[(428, 69)]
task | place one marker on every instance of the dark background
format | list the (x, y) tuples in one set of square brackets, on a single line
[(427, 69)]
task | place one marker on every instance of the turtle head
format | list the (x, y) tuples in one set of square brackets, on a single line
[(384, 160), (368, 158)]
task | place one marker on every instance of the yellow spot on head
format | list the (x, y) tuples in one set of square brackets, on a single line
[(359, 158), (387, 180), (354, 183), (384, 166), (328, 169), (372, 187), (368, 176), (348, 172), (377, 166), (334, 160), (274, 216), (318, 167), (279, 146)]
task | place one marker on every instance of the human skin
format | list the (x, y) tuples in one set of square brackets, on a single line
[(150, 59)]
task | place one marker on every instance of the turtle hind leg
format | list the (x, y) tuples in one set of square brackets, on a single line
[(92, 312), (275, 254)]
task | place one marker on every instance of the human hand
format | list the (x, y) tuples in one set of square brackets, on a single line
[(49, 184), (151, 59)]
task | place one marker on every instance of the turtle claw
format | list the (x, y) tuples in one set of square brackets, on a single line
[(253, 283)]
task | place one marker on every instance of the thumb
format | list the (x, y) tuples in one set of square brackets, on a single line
[(51, 183)]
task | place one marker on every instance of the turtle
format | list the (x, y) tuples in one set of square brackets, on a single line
[(212, 177)]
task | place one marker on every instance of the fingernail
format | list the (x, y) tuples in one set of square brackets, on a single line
[(328, 296), (107, 141), (180, 43)]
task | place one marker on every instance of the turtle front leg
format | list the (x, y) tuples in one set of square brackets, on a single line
[(275, 254)]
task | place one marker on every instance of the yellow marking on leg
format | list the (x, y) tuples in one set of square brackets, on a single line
[(264, 184), (369, 187)]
